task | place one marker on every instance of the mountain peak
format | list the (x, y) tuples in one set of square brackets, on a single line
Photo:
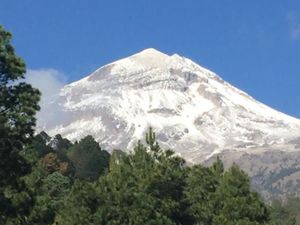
[(192, 110), (151, 52), (148, 58)]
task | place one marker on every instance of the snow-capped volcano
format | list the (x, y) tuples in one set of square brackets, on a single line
[(192, 110)]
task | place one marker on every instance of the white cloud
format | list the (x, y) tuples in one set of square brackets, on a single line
[(49, 82), (294, 25)]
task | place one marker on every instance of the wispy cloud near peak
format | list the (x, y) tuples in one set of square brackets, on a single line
[(49, 82)]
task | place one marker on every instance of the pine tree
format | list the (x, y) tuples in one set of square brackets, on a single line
[(18, 106), (79, 206), (88, 159), (218, 167), (236, 203), (201, 185)]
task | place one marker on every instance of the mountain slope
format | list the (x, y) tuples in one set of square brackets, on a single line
[(192, 110)]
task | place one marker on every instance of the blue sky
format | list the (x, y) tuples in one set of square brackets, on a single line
[(254, 46)]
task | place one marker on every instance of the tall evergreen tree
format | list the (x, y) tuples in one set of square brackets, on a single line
[(18, 106), (236, 203), (88, 159), (201, 185)]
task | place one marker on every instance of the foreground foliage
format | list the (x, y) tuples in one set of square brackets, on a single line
[(147, 186), (18, 105)]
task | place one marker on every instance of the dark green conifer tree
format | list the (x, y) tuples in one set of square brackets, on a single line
[(18, 106), (236, 203), (88, 159), (201, 185)]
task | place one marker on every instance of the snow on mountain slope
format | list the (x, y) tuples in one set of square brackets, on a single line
[(192, 110)]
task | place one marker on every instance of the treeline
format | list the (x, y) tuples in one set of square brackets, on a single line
[(80, 183), (49, 180)]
